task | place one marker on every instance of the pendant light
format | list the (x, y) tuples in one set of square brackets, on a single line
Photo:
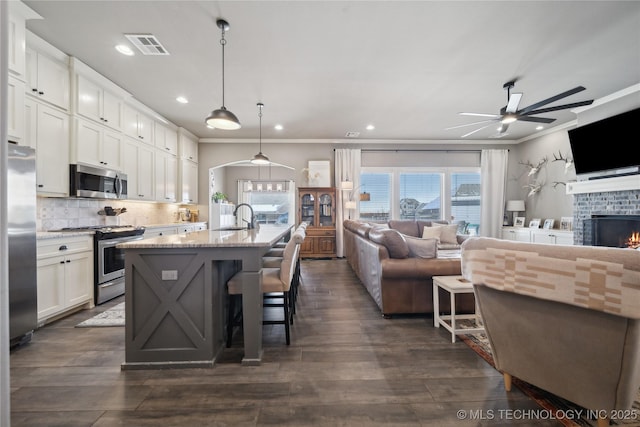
[(223, 118), (260, 159)]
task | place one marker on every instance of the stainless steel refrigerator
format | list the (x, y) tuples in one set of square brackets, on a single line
[(21, 207)]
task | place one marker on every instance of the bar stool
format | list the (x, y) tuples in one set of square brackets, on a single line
[(276, 282), (274, 262)]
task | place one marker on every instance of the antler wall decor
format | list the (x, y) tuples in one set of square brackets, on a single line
[(560, 158), (534, 188), (534, 169)]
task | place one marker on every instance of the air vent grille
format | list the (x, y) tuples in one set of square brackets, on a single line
[(352, 134), (148, 44)]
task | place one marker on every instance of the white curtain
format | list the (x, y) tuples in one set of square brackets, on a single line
[(493, 185), (347, 168)]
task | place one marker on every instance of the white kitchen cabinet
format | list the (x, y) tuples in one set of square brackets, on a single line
[(138, 125), (15, 110), (65, 275), (47, 78), (166, 138), (188, 182), (139, 165), (160, 231), (47, 131), (166, 176), (187, 145), (19, 13), (97, 145), (519, 234), (554, 237), (97, 103)]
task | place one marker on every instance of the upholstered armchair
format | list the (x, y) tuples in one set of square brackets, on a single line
[(563, 318)]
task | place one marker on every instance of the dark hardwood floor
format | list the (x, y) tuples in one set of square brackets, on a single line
[(346, 366)]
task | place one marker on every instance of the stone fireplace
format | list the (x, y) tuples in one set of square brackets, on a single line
[(605, 218)]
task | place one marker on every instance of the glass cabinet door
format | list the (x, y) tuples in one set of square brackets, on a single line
[(325, 207), (307, 209)]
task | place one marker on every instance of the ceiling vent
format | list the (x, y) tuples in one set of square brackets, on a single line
[(352, 134), (148, 44)]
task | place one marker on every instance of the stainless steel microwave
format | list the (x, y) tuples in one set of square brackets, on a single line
[(99, 183)]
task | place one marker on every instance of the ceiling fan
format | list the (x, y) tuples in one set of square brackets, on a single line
[(510, 113)]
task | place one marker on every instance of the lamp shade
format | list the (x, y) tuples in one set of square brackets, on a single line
[(350, 204), (223, 119), (515, 205)]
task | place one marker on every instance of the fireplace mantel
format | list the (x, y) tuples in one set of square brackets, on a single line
[(618, 183)]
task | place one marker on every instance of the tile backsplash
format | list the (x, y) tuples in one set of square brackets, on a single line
[(57, 213)]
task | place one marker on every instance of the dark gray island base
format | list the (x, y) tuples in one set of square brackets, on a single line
[(175, 296)]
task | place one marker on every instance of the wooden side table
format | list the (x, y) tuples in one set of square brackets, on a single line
[(454, 285)]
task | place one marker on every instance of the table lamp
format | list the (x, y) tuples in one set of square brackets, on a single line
[(515, 206)]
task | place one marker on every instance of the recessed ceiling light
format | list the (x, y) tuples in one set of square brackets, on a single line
[(278, 127), (182, 100), (125, 50), (370, 127), (539, 127)]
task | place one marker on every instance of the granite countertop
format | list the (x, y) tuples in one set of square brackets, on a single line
[(41, 235), (264, 235)]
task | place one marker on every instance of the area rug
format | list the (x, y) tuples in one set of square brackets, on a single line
[(112, 317), (554, 404)]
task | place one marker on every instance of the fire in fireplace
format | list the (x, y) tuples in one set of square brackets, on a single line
[(618, 231)]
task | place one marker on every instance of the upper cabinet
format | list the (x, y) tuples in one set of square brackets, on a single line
[(138, 125), (188, 145), (15, 110), (166, 138), (47, 72), (96, 145), (19, 13), (97, 103)]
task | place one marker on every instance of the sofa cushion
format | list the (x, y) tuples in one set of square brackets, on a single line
[(422, 248), (408, 227), (392, 240)]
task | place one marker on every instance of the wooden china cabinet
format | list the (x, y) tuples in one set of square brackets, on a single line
[(317, 206)]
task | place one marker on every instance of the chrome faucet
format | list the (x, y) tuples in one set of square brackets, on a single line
[(250, 224)]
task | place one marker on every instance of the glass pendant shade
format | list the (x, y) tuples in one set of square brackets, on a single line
[(223, 119)]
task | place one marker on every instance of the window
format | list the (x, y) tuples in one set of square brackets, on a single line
[(377, 188), (417, 193)]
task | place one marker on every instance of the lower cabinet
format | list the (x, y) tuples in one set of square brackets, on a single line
[(65, 275), (533, 235), (319, 243)]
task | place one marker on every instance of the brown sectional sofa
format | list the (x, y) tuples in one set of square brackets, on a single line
[(397, 282)]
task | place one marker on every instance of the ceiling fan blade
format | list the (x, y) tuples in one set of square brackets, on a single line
[(470, 124), (552, 99), (535, 119), (559, 107), (514, 100), (474, 131), (503, 128), (493, 116)]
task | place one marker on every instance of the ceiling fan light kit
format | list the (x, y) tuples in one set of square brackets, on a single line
[(510, 113), (223, 118)]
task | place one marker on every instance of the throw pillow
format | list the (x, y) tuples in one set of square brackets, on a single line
[(448, 233), (422, 248), (431, 232), (392, 240)]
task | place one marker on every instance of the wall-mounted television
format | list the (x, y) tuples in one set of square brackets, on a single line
[(607, 147)]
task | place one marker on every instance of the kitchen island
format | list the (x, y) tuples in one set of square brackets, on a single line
[(175, 295)]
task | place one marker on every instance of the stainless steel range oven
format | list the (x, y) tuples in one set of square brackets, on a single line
[(108, 260)]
